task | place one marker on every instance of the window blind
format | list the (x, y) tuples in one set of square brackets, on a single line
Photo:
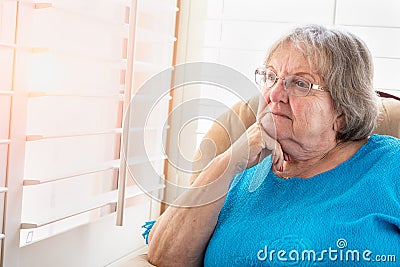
[(73, 67), (73, 113), (7, 46)]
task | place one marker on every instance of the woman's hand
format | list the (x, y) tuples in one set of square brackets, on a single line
[(181, 235), (253, 146)]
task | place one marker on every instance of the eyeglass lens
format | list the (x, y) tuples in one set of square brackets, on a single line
[(295, 85)]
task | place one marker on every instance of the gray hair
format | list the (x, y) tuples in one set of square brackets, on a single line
[(344, 64)]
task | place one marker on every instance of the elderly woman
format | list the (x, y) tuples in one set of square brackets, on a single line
[(330, 192)]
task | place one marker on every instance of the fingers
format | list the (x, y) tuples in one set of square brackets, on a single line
[(277, 153), (286, 157), (248, 147), (277, 157), (258, 140)]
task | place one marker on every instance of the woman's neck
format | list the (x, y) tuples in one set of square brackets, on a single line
[(341, 152)]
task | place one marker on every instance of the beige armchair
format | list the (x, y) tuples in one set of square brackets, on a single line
[(230, 126)]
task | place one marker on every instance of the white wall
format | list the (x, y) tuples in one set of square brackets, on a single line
[(239, 32)]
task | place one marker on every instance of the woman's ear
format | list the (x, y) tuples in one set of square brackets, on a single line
[(339, 123)]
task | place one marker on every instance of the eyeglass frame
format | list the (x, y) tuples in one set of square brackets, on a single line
[(312, 85)]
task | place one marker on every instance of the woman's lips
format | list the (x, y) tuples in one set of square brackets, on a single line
[(281, 115), (266, 115)]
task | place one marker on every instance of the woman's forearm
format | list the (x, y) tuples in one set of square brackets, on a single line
[(181, 234)]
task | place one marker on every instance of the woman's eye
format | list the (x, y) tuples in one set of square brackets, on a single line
[(302, 84), (271, 77)]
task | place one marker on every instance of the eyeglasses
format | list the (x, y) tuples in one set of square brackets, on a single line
[(294, 85)]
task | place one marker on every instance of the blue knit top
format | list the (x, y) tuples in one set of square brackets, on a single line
[(348, 216)]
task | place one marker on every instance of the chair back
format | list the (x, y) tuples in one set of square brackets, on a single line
[(232, 124)]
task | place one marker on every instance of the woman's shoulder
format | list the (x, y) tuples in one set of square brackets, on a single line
[(386, 139), (384, 144), (384, 153)]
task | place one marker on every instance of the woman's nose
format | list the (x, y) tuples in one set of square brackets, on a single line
[(278, 93)]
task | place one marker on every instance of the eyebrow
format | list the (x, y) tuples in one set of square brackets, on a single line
[(303, 73), (300, 73)]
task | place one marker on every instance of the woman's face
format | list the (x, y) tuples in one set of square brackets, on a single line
[(304, 126)]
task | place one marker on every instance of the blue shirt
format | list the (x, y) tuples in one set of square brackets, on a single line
[(348, 216)]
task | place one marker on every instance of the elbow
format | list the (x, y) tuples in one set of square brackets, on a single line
[(158, 255), (160, 258), (152, 258), (165, 257), (153, 254)]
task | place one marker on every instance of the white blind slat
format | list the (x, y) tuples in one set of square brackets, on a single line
[(75, 173), (31, 225), (41, 137), (8, 93), (36, 137), (108, 199), (79, 56), (46, 94), (33, 233), (3, 189), (42, 5), (84, 11), (7, 45), (4, 141)]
